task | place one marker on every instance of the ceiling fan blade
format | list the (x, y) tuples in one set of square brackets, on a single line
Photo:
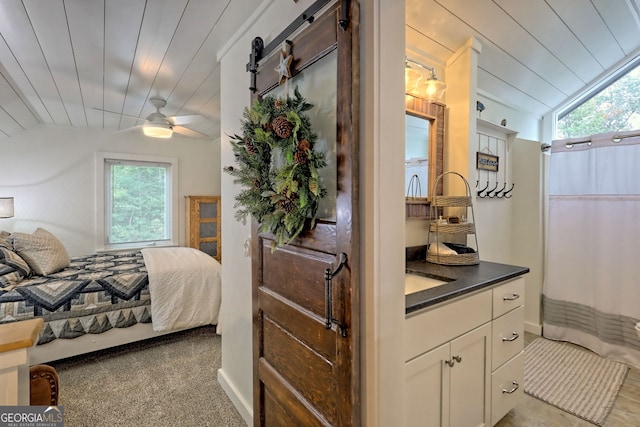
[(183, 120), (120, 114), (189, 132)]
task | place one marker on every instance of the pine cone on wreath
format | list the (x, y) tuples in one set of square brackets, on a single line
[(304, 145), (278, 103), (287, 205), (250, 146), (282, 127), (300, 157)]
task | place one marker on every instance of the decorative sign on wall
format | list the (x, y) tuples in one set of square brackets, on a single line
[(487, 162)]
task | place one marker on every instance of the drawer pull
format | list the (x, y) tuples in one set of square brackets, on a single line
[(511, 297), (514, 336), (457, 358), (513, 389)]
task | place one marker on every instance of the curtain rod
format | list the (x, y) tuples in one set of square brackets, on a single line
[(615, 138)]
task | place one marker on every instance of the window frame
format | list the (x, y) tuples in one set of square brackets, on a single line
[(603, 82), (103, 203)]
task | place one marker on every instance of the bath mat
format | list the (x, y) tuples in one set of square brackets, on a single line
[(574, 380)]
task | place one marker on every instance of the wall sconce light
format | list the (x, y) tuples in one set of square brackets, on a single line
[(6, 207), (421, 81)]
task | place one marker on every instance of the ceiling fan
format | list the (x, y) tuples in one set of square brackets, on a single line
[(158, 125)]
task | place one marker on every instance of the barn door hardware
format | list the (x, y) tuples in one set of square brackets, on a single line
[(343, 21), (259, 50), (257, 46), (328, 292)]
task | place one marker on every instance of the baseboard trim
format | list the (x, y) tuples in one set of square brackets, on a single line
[(244, 408), (533, 328)]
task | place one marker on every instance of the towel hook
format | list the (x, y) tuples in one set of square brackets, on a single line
[(484, 189), (501, 190), (510, 190), (492, 190)]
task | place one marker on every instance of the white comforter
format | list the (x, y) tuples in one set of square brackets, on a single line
[(184, 285)]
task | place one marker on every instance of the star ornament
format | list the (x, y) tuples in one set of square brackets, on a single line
[(284, 67)]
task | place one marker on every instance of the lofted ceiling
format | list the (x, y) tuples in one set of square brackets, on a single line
[(535, 55), (62, 59)]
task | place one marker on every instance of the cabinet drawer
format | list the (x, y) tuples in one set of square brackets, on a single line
[(427, 329), (508, 296), (508, 336), (507, 387)]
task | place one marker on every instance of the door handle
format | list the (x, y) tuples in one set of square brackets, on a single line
[(328, 292)]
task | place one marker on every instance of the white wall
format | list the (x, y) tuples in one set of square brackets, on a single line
[(528, 125), (382, 211), (50, 171), (528, 224)]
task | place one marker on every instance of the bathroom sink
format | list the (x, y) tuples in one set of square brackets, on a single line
[(419, 282)]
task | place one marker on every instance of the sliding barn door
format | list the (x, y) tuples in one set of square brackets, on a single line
[(306, 374)]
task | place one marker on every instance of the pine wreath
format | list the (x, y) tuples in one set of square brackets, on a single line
[(278, 167)]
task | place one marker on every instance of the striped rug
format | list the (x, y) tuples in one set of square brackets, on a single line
[(574, 380)]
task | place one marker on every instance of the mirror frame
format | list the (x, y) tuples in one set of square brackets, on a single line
[(435, 113)]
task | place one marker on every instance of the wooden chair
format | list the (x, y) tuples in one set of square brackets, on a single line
[(44, 386)]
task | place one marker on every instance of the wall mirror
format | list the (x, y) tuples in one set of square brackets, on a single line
[(416, 156), (424, 153)]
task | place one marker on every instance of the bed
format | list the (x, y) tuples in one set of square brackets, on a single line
[(103, 300)]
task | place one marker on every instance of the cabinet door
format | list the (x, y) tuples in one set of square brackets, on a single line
[(203, 224), (427, 389), (470, 378)]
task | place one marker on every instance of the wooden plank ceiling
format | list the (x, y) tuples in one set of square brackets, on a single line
[(535, 54), (62, 59)]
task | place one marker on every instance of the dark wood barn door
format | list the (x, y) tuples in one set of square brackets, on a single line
[(304, 373)]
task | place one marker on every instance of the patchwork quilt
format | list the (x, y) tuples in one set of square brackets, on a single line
[(94, 294)]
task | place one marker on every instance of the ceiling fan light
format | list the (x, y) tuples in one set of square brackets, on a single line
[(157, 130)]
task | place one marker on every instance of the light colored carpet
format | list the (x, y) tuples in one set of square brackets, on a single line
[(166, 381), (577, 381)]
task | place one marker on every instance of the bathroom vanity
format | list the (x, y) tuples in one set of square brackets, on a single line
[(464, 342)]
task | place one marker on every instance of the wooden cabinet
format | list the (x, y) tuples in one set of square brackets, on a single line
[(203, 224), (464, 358)]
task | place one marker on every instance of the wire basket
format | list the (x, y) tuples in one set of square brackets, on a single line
[(466, 228)]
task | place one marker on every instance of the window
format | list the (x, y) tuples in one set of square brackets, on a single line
[(611, 106), (137, 201)]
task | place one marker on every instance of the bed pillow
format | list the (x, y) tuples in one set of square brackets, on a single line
[(12, 268), (42, 250)]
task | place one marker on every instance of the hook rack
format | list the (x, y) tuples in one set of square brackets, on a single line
[(494, 193), (494, 188)]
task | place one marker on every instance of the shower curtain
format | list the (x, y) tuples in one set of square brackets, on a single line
[(591, 291)]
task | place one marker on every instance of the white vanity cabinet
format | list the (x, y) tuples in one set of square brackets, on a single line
[(464, 361), (448, 363), (507, 358)]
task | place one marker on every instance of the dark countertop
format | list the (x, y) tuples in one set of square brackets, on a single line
[(466, 279)]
